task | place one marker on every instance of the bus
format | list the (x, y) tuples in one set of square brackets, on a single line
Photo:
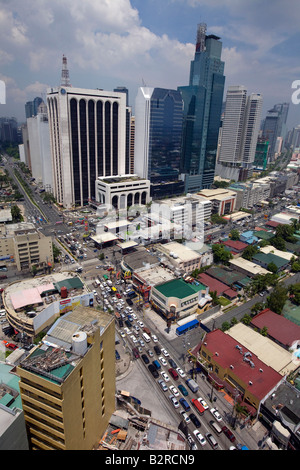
[(198, 406), (187, 327)]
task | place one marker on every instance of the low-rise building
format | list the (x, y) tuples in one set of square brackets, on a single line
[(180, 256), (223, 200), (247, 268), (264, 259), (177, 298), (122, 191)]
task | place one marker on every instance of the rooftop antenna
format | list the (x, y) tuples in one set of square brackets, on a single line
[(65, 80), (201, 34)]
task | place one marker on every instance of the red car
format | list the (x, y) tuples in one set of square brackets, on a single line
[(11, 346), (228, 433), (118, 295)]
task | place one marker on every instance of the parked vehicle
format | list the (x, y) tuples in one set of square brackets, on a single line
[(192, 385)]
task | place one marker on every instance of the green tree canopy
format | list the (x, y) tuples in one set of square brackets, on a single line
[(277, 299), (221, 254)]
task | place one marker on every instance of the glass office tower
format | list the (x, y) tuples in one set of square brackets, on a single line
[(202, 99), (158, 132)]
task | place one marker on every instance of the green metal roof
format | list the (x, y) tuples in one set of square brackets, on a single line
[(263, 235), (70, 283), (179, 288), (268, 258)]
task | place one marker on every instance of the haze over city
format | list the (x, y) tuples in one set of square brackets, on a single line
[(138, 42)]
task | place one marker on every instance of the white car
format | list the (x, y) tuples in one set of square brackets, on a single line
[(185, 417), (154, 338), (180, 372), (199, 437), (174, 401), (174, 391), (192, 442), (127, 330), (203, 403), (165, 376), (141, 324), (165, 352), (142, 343), (134, 316), (122, 334), (162, 361), (134, 340), (216, 414)]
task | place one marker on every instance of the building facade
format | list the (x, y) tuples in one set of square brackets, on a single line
[(87, 138), (122, 192), (202, 100), (158, 121), (67, 383)]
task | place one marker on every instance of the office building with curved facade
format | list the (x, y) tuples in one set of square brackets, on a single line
[(87, 138)]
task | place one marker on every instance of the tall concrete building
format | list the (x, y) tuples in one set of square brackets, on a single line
[(87, 138), (67, 383), (275, 126), (202, 99), (239, 133)]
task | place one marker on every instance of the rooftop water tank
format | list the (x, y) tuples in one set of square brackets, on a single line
[(79, 343), (64, 292)]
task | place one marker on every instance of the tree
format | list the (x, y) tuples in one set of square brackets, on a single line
[(278, 243), (295, 266), (234, 234), (16, 214), (272, 267), (56, 252), (258, 307), (264, 331), (277, 299), (225, 326), (221, 254), (249, 252), (246, 319)]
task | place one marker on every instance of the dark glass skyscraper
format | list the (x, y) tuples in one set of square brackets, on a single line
[(158, 126), (202, 99)]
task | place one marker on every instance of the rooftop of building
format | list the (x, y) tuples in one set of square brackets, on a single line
[(219, 193), (179, 288), (226, 275), (280, 253), (285, 403), (154, 275), (184, 253), (141, 258), (40, 292), (216, 286), (57, 356), (235, 244), (271, 353), (252, 371), (263, 234), (249, 266), (280, 328), (130, 178), (267, 258)]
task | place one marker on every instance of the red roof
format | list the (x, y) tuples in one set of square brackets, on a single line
[(280, 328), (235, 244), (213, 284), (260, 379), (272, 223)]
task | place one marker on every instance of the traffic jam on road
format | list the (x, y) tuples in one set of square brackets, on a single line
[(179, 390)]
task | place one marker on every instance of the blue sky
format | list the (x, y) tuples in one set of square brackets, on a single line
[(110, 43)]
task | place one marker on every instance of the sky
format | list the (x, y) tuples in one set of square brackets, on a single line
[(133, 43)]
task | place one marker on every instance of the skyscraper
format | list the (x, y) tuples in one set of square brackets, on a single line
[(202, 112), (158, 131), (87, 138), (275, 126), (239, 133)]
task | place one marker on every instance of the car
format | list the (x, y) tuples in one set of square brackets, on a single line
[(183, 390), (203, 403), (145, 358), (180, 372), (162, 361), (133, 338), (195, 420), (140, 323), (216, 414), (142, 343), (135, 353), (228, 433), (154, 338), (130, 318), (157, 350), (199, 437), (210, 438), (174, 391), (153, 371), (172, 363), (127, 330), (118, 295), (133, 315), (122, 334), (174, 401), (185, 416), (11, 346), (150, 353), (136, 327), (165, 352), (165, 376), (118, 357), (192, 442), (163, 385)]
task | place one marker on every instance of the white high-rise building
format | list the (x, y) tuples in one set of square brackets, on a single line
[(239, 133), (88, 140)]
